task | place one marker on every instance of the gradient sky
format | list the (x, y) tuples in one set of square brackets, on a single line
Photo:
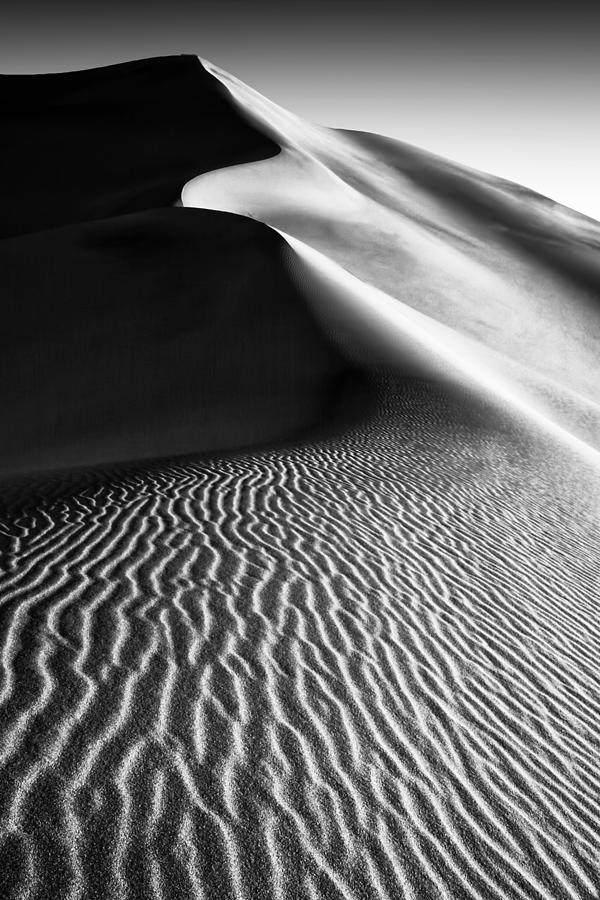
[(512, 89)]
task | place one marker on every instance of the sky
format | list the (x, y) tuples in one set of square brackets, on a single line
[(509, 88)]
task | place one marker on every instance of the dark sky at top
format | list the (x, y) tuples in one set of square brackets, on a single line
[(511, 88)]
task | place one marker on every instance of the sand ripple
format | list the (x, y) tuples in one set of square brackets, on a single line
[(363, 667)]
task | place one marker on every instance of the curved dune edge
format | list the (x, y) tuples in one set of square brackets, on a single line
[(490, 314), (104, 141)]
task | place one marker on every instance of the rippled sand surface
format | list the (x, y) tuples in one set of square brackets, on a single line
[(362, 667)]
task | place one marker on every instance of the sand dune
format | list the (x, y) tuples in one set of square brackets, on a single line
[(495, 265), (81, 146), (359, 658)]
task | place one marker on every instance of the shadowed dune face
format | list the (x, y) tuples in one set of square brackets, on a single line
[(495, 264), (116, 139), (364, 668), (154, 334)]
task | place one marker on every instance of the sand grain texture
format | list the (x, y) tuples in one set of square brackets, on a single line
[(356, 669)]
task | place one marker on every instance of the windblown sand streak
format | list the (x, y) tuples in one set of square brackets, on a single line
[(365, 666)]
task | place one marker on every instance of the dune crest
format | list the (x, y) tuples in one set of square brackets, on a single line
[(487, 260)]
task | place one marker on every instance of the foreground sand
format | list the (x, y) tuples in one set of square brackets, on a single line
[(364, 667)]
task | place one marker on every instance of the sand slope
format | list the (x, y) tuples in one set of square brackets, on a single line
[(517, 276), (363, 668), (360, 664)]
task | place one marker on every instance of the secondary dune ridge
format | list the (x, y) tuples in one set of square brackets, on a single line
[(362, 663)]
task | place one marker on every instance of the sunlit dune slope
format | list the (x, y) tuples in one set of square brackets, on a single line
[(515, 277)]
